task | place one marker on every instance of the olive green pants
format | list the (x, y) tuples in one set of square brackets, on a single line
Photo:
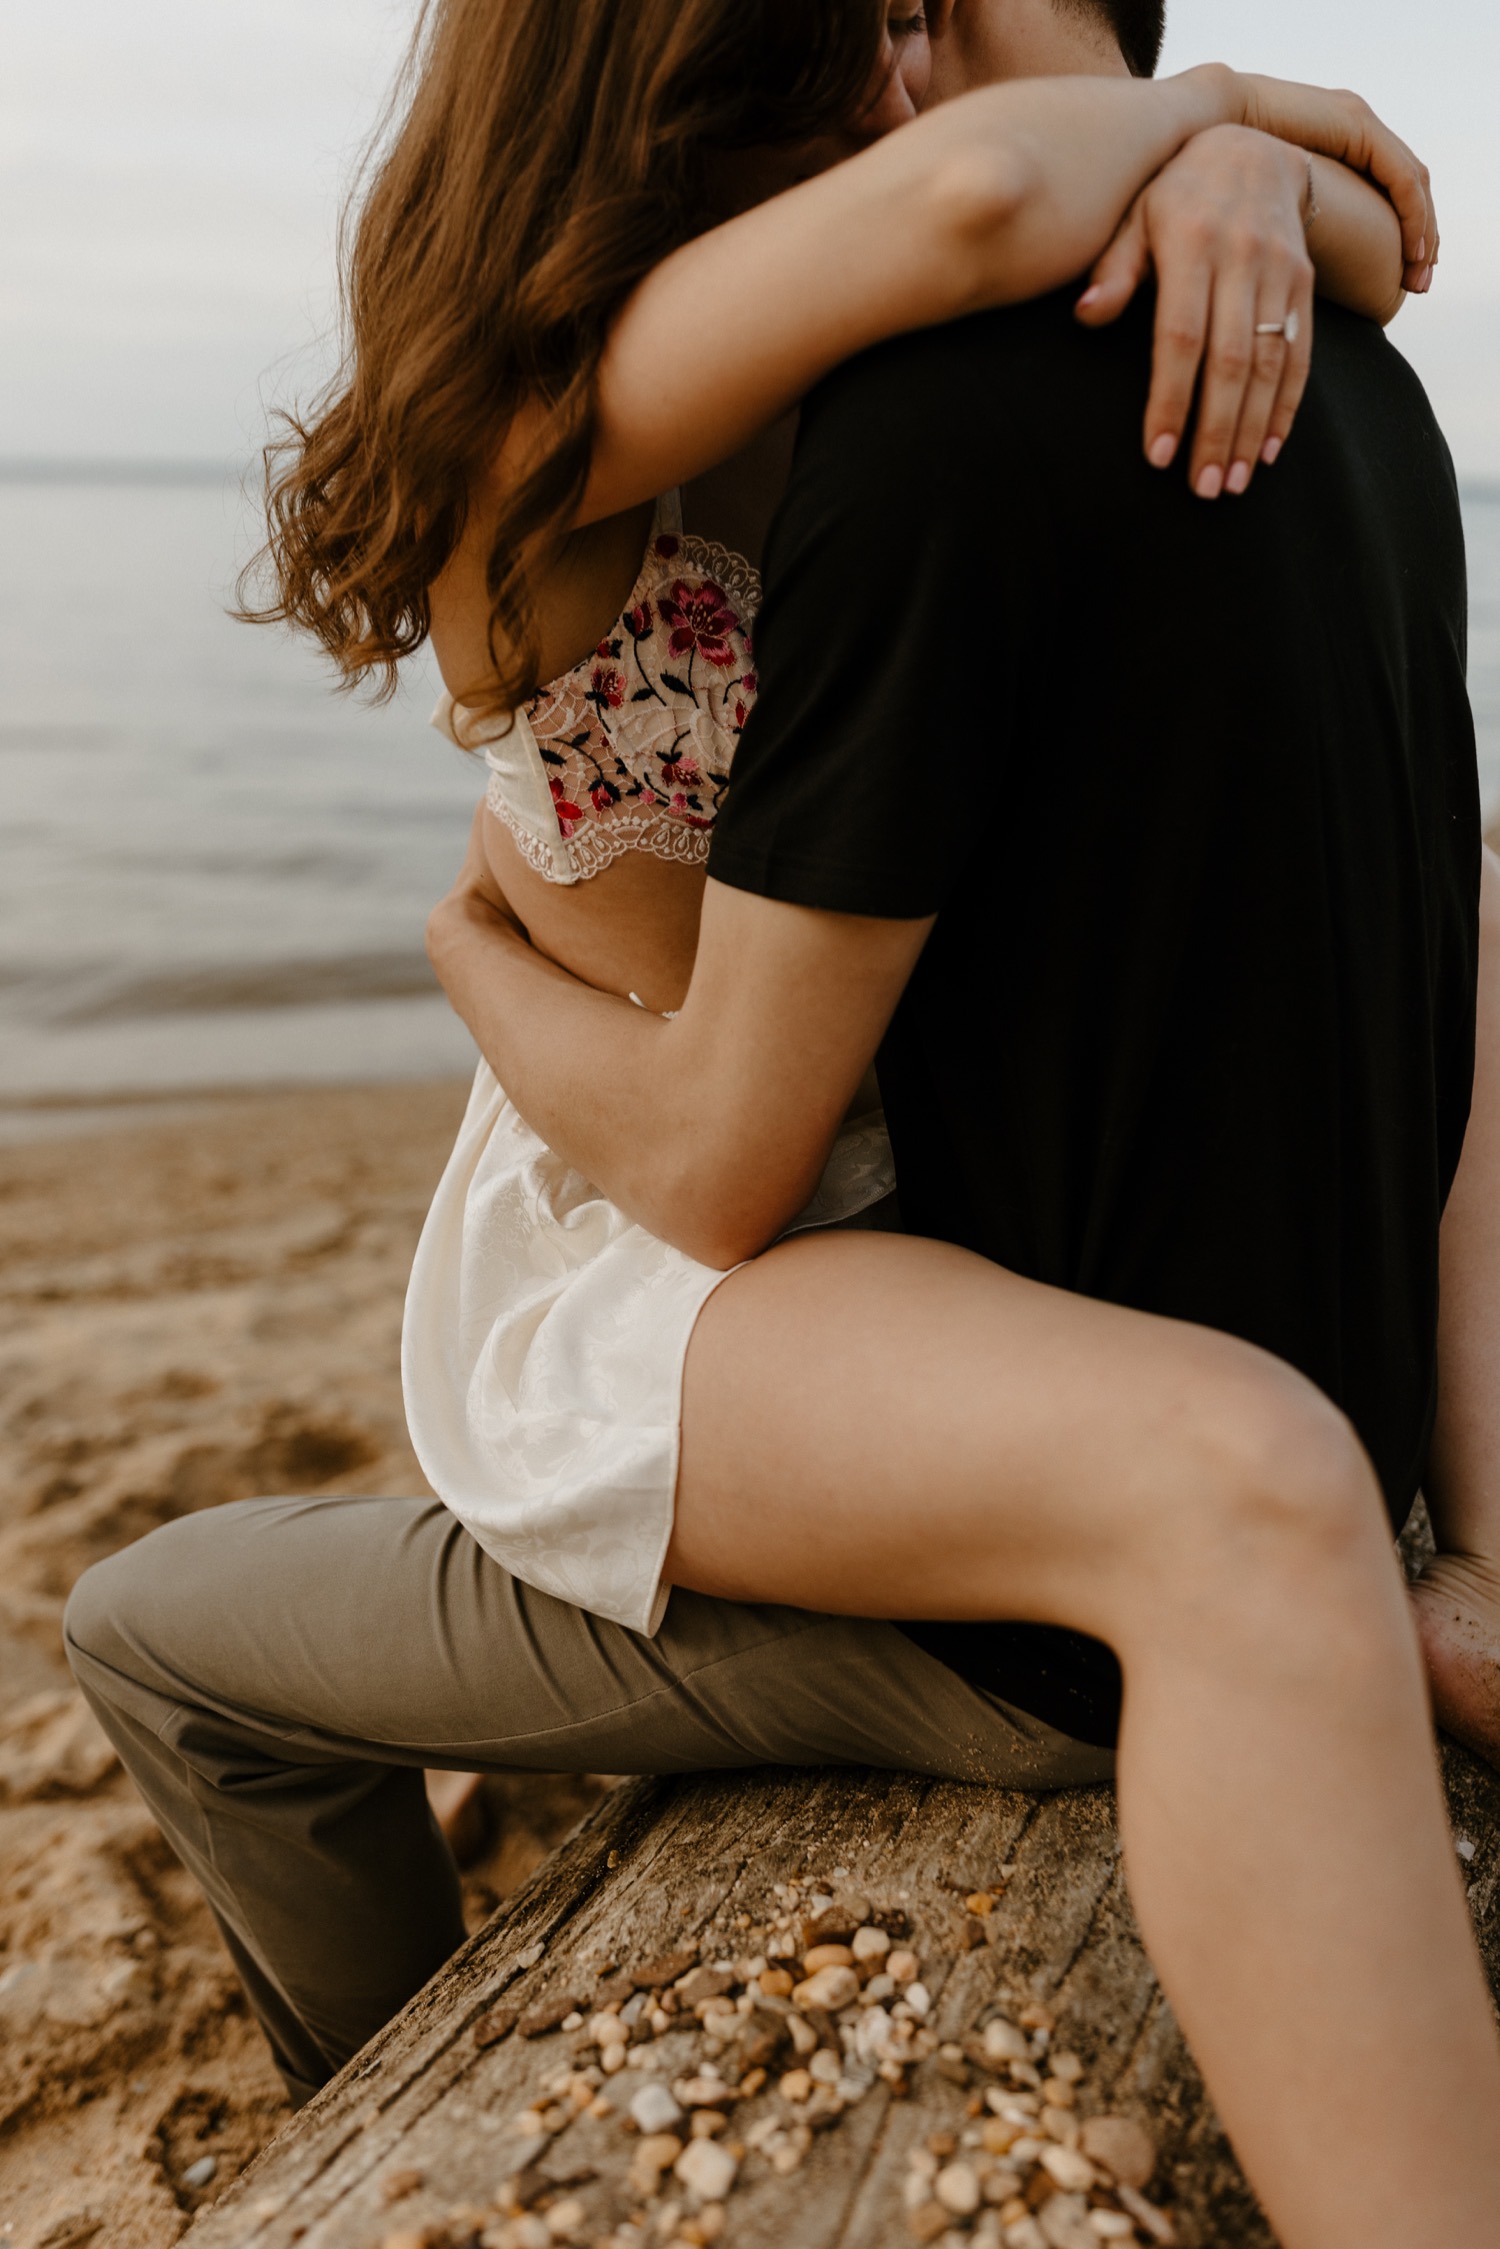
[(275, 1675)]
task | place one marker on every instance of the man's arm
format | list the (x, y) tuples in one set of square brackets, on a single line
[(711, 1127)]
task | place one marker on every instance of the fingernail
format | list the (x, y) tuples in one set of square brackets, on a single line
[(1210, 484), (1162, 451), (1089, 297), (1238, 478), (1270, 450)]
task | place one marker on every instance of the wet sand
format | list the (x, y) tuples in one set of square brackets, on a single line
[(199, 1300)]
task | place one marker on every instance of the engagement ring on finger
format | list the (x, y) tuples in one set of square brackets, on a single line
[(1290, 327)]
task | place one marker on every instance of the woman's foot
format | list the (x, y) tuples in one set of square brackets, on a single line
[(1457, 1603), (458, 1806)]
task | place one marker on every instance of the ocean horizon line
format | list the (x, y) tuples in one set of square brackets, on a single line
[(127, 469), (20, 468)]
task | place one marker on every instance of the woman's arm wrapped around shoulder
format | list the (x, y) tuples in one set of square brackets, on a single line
[(1003, 194)]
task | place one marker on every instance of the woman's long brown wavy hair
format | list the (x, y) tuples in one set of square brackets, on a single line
[(549, 153)]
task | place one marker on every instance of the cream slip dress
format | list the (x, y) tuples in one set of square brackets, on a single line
[(545, 1332)]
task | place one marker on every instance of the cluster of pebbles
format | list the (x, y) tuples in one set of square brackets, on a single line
[(718, 2067)]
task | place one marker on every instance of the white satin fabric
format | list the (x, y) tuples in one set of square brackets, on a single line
[(542, 1356)]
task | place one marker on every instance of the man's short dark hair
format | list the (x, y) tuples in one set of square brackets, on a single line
[(1139, 25)]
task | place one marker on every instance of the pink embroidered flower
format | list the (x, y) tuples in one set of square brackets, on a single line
[(750, 683), (606, 685), (638, 620), (601, 796), (568, 815), (683, 769), (741, 711), (699, 618)]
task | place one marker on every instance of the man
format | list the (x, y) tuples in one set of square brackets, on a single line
[(1103, 739)]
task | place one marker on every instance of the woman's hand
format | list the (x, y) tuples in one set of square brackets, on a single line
[(1344, 126), (1223, 225)]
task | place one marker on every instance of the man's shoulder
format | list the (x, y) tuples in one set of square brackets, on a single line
[(938, 371), (1016, 399)]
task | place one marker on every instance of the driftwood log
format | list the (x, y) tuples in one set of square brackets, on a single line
[(1010, 1902)]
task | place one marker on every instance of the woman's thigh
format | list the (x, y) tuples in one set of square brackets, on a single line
[(886, 1426)]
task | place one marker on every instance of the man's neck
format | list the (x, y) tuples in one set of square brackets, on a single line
[(989, 40)]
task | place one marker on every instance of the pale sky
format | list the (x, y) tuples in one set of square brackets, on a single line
[(170, 173)]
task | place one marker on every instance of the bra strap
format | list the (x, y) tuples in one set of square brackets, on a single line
[(668, 516)]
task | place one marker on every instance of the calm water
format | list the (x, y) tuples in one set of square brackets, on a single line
[(213, 870)]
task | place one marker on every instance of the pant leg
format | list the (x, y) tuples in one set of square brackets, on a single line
[(276, 1673)]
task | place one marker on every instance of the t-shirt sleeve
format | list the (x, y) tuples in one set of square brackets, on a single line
[(842, 793)]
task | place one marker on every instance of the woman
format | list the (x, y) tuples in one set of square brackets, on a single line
[(1218, 1777)]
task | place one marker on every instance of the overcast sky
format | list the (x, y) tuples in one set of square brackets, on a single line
[(171, 172)]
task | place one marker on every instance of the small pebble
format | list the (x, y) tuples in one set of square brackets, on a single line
[(1003, 2042), (1058, 2091), (1064, 2223), (706, 2169), (1111, 2225), (1073, 2172), (902, 1967), (957, 2189), (918, 1998), (1124, 2148), (828, 1990), (201, 2173), (707, 2121), (1066, 2065), (1147, 2216), (825, 2067), (869, 1943), (796, 2086), (567, 2218), (776, 1983), (827, 1956), (611, 2059), (880, 1987), (980, 1902), (654, 2109), (705, 2091), (394, 2188), (928, 2221)]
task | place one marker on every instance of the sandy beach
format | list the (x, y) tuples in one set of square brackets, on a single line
[(199, 1300)]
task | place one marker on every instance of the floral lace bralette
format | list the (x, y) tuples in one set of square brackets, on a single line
[(631, 749)]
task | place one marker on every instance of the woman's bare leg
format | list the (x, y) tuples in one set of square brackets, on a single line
[(892, 1427), (1458, 1598)]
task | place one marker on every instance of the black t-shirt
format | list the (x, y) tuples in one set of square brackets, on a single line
[(1191, 790)]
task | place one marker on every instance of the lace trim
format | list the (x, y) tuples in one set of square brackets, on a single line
[(740, 579), (595, 844)]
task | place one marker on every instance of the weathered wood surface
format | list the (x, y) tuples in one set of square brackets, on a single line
[(666, 1865)]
